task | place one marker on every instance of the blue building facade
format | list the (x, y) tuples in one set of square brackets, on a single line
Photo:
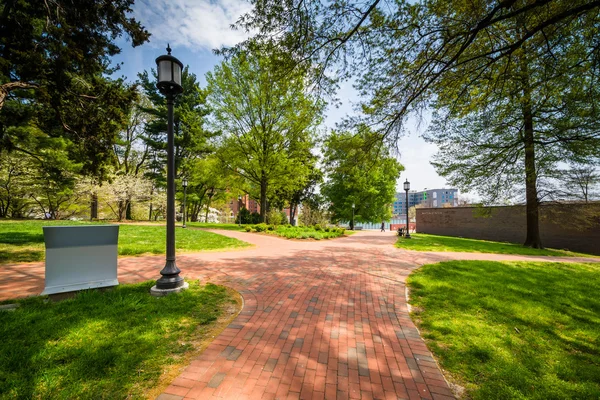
[(432, 198)]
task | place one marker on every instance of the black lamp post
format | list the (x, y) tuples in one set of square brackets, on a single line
[(407, 188), (239, 210), (184, 183), (353, 205), (169, 84)]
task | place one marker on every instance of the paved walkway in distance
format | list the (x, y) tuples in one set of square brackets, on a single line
[(321, 319)]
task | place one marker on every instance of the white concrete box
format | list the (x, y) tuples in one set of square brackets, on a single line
[(80, 257)]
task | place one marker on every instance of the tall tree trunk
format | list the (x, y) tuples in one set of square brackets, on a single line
[(128, 212), (121, 210), (94, 207), (532, 209), (263, 200), (292, 212), (151, 194)]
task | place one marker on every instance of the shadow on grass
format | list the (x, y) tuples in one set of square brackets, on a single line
[(21, 238), (111, 344), (537, 324)]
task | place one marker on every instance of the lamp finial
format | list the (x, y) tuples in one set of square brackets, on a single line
[(168, 49)]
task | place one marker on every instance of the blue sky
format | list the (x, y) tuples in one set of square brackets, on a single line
[(195, 27)]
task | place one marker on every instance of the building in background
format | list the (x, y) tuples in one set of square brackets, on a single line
[(252, 205), (428, 198)]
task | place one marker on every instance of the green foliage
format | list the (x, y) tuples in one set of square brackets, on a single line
[(424, 242), (243, 216), (262, 227), (189, 113), (359, 173), (23, 241), (318, 227), (512, 330), (113, 344), (269, 152), (276, 217), (248, 228), (54, 62), (306, 232)]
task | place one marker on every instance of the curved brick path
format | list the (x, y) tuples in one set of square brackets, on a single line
[(321, 319)]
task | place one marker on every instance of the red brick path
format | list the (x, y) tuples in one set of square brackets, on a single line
[(321, 320)]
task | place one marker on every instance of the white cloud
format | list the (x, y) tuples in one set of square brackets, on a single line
[(195, 24)]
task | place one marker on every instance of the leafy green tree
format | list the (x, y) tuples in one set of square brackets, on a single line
[(269, 123), (14, 185), (54, 62), (361, 174), (514, 81), (207, 182)]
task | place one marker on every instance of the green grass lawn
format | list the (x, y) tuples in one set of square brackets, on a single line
[(424, 242), (106, 345), (228, 227), (513, 330), (23, 241)]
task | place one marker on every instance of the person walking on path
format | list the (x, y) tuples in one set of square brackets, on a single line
[(382, 226)]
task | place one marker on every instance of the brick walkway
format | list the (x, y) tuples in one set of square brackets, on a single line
[(321, 319)]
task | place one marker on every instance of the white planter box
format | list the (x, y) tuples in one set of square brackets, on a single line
[(80, 257)]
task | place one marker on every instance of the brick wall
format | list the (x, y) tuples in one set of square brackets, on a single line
[(574, 227)]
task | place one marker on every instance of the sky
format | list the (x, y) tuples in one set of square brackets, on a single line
[(193, 28)]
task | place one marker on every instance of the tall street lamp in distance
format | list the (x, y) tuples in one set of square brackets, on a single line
[(407, 188), (353, 206), (184, 183), (169, 84)]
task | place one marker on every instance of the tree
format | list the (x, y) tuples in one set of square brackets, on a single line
[(192, 139), (122, 190), (582, 182), (475, 62), (361, 174), (268, 123), (54, 62), (131, 150), (462, 56)]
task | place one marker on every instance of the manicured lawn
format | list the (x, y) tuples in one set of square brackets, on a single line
[(424, 242), (23, 241), (513, 330), (106, 345), (204, 225)]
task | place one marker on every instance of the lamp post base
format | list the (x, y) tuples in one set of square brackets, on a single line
[(156, 292), (407, 236)]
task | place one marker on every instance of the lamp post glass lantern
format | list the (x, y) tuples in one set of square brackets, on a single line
[(169, 84), (407, 188), (184, 183)]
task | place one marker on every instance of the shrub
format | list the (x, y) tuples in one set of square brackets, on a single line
[(318, 228), (248, 229), (326, 229), (260, 227), (270, 227), (254, 218)]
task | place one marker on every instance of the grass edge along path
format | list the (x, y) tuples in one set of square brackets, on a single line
[(426, 242), (121, 343), (23, 241), (512, 330)]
